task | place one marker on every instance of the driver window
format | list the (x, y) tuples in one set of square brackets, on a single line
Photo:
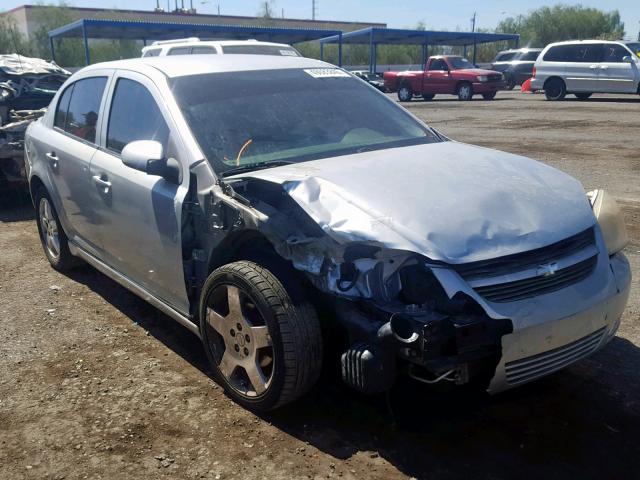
[(615, 53), (438, 65), (134, 115)]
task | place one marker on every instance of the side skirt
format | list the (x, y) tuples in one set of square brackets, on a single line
[(135, 288)]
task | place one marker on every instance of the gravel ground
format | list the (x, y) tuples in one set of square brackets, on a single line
[(94, 383)]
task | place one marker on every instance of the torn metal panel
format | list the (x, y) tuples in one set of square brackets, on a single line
[(15, 64)]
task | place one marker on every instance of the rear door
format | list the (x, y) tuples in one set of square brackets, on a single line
[(583, 67), (140, 229), (68, 150), (617, 76)]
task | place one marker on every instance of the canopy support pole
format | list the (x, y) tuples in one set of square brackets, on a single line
[(87, 56), (475, 49), (340, 49), (371, 54), (52, 48), (321, 51)]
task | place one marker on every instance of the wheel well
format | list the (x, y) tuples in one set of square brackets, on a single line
[(554, 78), (34, 184), (460, 83), (241, 245)]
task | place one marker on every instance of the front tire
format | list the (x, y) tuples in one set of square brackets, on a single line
[(465, 92), (263, 341), (405, 93), (555, 89), (54, 240)]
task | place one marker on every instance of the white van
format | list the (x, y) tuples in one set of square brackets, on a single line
[(586, 67), (194, 46)]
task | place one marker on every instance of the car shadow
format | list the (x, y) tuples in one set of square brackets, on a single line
[(15, 205), (630, 99), (582, 423)]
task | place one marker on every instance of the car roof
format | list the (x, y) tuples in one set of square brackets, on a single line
[(183, 65), (523, 49), (222, 43), (586, 42)]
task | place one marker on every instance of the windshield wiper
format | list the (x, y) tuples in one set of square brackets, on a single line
[(254, 166)]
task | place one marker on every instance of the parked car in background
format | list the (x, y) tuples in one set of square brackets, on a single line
[(195, 46), (585, 67), (373, 79), (516, 65), (253, 212), (445, 74), (634, 47)]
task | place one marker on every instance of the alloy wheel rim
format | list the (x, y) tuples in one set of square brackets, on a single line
[(404, 93), (464, 91), (49, 229), (243, 349)]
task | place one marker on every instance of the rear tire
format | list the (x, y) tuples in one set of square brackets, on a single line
[(263, 341), (54, 240), (405, 93), (489, 96), (428, 96), (583, 96), (465, 92), (555, 89)]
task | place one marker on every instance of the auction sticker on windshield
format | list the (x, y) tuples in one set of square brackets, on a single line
[(326, 72)]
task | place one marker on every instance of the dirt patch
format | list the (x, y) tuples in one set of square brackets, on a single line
[(95, 383)]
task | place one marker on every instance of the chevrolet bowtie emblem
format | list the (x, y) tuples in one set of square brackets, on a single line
[(547, 269)]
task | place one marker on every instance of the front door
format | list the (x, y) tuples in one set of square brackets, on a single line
[(141, 214), (437, 77), (617, 76)]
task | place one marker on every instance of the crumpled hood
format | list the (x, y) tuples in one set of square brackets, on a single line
[(449, 201)]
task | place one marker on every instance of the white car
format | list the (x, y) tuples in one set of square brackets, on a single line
[(586, 67), (194, 46)]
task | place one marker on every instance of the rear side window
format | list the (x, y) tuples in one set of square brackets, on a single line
[(529, 56), (63, 106), (574, 53), (203, 50), (504, 57), (614, 53), (134, 115), (84, 108), (154, 52), (180, 51)]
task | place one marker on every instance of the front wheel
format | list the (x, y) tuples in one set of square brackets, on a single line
[(465, 92), (583, 95), (405, 93), (555, 89), (263, 341), (489, 96)]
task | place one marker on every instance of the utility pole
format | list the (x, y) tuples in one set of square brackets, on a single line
[(473, 22), (313, 9)]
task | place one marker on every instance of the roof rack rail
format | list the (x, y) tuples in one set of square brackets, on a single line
[(176, 40)]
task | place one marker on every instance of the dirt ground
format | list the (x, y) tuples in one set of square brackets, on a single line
[(95, 383)]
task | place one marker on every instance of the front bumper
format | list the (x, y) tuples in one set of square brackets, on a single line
[(542, 348), (488, 87)]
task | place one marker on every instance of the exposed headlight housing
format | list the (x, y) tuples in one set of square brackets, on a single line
[(483, 78), (611, 221)]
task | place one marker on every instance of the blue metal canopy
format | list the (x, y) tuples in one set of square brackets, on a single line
[(373, 37), (137, 30)]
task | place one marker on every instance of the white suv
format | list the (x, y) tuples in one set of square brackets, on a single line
[(193, 46), (586, 67)]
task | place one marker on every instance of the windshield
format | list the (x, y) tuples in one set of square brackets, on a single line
[(248, 49), (241, 119), (460, 63), (634, 47)]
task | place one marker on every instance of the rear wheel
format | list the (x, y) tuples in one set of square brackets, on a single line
[(583, 96), (263, 342), (405, 93), (54, 240), (555, 89), (489, 96), (428, 96), (465, 92)]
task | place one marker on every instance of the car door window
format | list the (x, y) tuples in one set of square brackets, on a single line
[(134, 115), (585, 53), (438, 65), (60, 120), (615, 53), (203, 50), (180, 51), (152, 53), (84, 108)]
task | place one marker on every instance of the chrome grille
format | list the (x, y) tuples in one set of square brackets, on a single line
[(530, 287), (530, 368), (523, 275)]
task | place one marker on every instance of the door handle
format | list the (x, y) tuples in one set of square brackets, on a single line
[(53, 160), (604, 67), (593, 67), (102, 182)]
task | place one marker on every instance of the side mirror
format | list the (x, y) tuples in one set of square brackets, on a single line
[(627, 59), (148, 156)]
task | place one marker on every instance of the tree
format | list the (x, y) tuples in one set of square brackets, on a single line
[(562, 22)]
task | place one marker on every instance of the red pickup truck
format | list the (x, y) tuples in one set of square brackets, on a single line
[(446, 74)]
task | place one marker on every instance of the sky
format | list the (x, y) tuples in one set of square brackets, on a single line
[(442, 15)]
